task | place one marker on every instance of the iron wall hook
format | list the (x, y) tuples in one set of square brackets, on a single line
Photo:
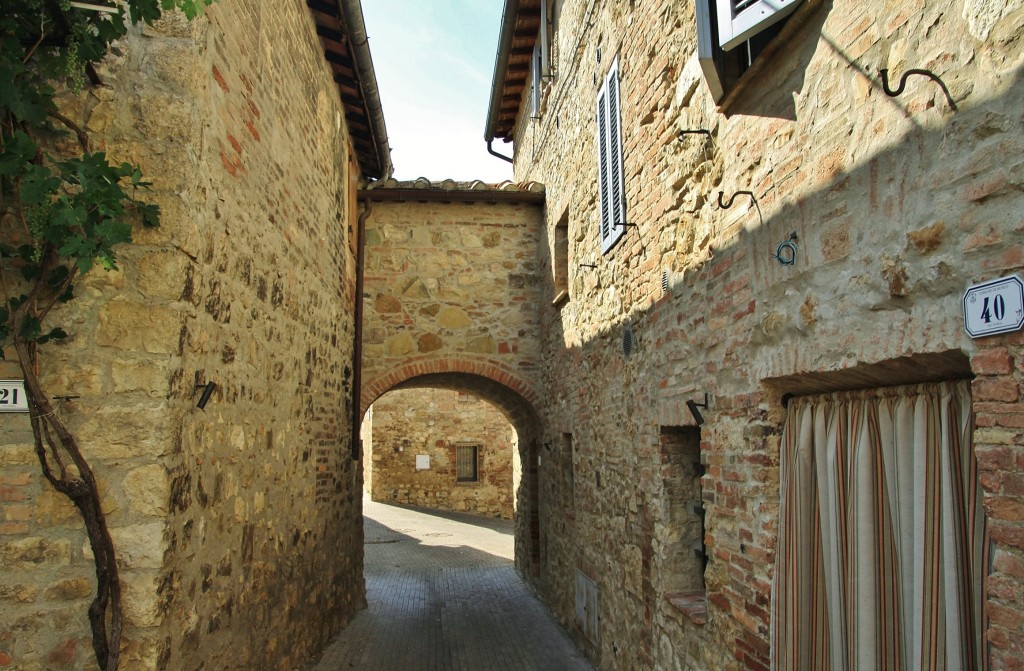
[(726, 206), (893, 93), (785, 253)]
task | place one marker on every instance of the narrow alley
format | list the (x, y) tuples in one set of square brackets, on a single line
[(444, 595)]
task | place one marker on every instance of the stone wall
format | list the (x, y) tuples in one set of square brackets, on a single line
[(898, 205), (450, 285), (238, 526), (434, 423)]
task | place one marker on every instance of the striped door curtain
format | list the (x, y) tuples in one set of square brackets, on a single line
[(881, 553)]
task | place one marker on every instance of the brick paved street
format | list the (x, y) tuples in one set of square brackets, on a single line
[(443, 595)]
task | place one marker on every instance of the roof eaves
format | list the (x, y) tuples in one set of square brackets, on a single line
[(501, 61), (342, 33)]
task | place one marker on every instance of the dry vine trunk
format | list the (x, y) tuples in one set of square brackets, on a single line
[(54, 445)]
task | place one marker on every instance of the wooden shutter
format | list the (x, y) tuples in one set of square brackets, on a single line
[(739, 20), (609, 146)]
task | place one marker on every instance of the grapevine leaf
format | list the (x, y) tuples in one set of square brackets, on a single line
[(143, 10), (56, 333), (30, 328), (19, 149), (38, 185), (150, 214)]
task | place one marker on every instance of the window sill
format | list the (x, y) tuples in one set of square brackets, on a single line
[(693, 605), (560, 298)]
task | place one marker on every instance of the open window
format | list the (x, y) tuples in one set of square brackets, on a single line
[(732, 33), (739, 20)]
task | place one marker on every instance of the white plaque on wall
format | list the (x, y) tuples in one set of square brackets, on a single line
[(12, 396), (422, 462), (994, 307)]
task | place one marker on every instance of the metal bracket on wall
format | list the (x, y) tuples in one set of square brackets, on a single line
[(695, 131), (692, 405), (893, 93), (726, 206), (722, 205), (785, 253)]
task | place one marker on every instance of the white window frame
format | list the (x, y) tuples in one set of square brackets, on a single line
[(739, 20), (611, 180)]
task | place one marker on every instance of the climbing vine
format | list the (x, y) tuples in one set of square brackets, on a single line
[(62, 212)]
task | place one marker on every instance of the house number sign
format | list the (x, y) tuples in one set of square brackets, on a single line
[(12, 396), (994, 307)]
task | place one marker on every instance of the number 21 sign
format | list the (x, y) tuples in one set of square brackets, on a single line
[(12, 396), (994, 307)]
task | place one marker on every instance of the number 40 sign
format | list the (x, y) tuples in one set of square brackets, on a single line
[(994, 307)]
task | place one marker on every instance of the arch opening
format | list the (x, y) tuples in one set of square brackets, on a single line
[(423, 437)]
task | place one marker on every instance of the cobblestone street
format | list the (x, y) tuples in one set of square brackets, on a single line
[(443, 595)]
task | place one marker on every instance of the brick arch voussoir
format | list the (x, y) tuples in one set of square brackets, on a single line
[(492, 370)]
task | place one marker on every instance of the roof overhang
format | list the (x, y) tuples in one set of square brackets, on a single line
[(520, 25), (339, 24)]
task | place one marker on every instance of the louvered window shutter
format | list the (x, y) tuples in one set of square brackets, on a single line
[(610, 174), (739, 20), (535, 81)]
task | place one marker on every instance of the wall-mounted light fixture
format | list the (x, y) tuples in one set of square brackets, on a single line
[(693, 405), (208, 390)]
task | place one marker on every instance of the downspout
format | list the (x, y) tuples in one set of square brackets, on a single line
[(357, 346), (490, 150)]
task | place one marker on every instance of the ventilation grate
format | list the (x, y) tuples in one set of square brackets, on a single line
[(628, 340), (739, 5), (664, 282)]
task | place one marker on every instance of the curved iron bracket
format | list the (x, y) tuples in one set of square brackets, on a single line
[(726, 206), (893, 93)]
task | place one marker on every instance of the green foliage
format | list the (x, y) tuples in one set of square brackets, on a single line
[(63, 213)]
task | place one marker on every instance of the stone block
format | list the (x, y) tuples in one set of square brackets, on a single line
[(400, 344), (70, 589), (140, 598), (139, 546), (18, 593), (161, 275), (34, 553), (139, 327), (150, 376), (119, 432), (453, 318), (147, 490), (55, 509)]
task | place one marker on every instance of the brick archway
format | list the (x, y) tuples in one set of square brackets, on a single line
[(487, 379)]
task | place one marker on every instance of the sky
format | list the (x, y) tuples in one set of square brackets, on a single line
[(434, 62)]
